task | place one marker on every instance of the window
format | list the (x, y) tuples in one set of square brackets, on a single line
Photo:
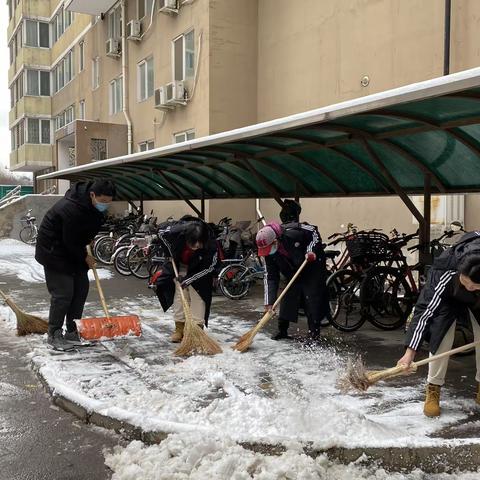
[(115, 23), (116, 96), (145, 79), (63, 72), (184, 136), (81, 56), (95, 73), (65, 117), (15, 45), (16, 90), (62, 20), (98, 149), (184, 56), (147, 145), (38, 83), (144, 7), (18, 134), (38, 131), (11, 8), (81, 110), (37, 34)]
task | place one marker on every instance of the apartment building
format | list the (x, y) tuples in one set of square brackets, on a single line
[(95, 79)]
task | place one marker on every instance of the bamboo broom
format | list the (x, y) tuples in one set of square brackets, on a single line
[(358, 378), (195, 340), (26, 323), (246, 340)]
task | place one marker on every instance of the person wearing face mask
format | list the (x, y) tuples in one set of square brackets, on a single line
[(451, 294), (191, 244), (284, 248), (67, 228)]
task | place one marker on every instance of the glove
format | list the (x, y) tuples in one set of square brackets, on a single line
[(310, 257)]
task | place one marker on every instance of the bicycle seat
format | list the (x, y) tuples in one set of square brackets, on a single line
[(332, 253), (32, 219)]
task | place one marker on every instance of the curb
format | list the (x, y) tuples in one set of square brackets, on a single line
[(440, 459)]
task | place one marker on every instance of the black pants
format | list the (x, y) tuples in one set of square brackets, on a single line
[(310, 287), (68, 293)]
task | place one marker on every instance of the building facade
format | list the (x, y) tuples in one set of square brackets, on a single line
[(95, 79)]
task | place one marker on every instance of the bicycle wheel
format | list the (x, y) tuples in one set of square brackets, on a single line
[(344, 298), (103, 250), (386, 297), (233, 281), (27, 235), (138, 263), (120, 261)]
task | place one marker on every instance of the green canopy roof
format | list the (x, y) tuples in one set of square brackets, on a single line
[(368, 146)]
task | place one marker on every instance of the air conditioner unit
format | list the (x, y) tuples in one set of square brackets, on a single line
[(113, 48), (170, 95), (134, 28), (168, 6)]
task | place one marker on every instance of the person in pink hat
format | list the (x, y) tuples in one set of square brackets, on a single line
[(284, 248)]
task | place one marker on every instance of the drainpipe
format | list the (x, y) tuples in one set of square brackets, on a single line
[(446, 47), (125, 80)]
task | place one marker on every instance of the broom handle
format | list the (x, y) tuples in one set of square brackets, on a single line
[(99, 287), (9, 302), (182, 294), (268, 315), (463, 348), (289, 284)]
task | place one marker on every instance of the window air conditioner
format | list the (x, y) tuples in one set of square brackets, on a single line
[(113, 48), (168, 6), (134, 28)]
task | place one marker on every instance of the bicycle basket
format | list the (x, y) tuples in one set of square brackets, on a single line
[(368, 247)]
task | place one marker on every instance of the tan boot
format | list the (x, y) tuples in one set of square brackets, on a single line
[(177, 335), (477, 398), (431, 408)]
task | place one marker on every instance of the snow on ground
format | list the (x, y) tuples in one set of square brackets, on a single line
[(275, 393), (17, 259), (196, 457)]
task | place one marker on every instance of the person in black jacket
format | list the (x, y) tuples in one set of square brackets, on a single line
[(191, 244), (451, 293), (67, 228), (285, 247)]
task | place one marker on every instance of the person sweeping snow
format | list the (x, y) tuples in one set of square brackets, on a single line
[(193, 248), (67, 228), (285, 247), (451, 292)]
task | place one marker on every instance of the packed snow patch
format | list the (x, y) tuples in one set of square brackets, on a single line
[(18, 259), (197, 457)]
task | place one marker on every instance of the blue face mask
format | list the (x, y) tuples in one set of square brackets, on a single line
[(274, 249), (102, 207)]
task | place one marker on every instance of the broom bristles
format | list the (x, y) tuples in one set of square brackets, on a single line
[(195, 340), (358, 378), (26, 323), (245, 340)]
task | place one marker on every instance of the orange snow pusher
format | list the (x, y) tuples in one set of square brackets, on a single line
[(108, 326)]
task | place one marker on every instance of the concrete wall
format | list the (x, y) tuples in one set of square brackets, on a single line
[(10, 215)]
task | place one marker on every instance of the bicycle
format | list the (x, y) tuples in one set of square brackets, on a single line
[(29, 233)]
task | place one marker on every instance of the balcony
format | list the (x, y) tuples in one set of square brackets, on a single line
[(32, 9), (29, 56), (31, 158), (29, 105), (91, 7)]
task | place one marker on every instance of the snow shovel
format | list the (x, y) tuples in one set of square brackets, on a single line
[(246, 340), (26, 323), (108, 326)]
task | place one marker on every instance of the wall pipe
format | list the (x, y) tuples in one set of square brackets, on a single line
[(125, 80)]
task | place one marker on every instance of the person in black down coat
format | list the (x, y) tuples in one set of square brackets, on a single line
[(285, 247), (192, 245), (451, 292), (67, 228)]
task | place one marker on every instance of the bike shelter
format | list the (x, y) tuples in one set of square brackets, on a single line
[(419, 139)]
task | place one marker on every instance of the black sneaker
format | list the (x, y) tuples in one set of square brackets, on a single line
[(282, 336), (73, 337), (57, 342)]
